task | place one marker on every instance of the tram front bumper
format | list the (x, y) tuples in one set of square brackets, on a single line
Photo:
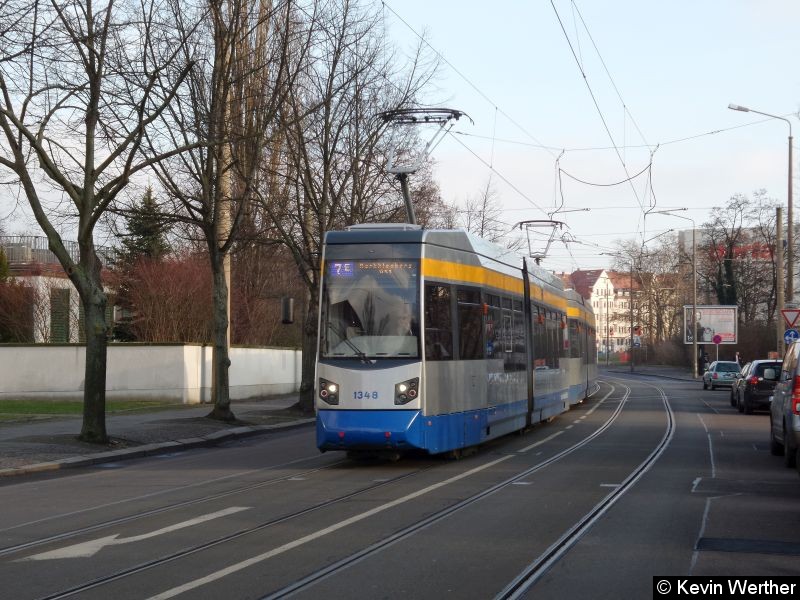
[(369, 430)]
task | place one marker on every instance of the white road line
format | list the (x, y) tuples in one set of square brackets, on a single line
[(92, 547), (191, 585), (540, 442)]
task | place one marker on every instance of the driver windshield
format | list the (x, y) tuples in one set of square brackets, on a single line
[(370, 309)]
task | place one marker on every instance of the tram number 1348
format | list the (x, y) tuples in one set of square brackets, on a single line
[(363, 394)]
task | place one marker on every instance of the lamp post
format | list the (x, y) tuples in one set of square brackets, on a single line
[(694, 283), (789, 214), (607, 321)]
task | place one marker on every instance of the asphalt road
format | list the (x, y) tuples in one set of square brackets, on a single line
[(649, 477)]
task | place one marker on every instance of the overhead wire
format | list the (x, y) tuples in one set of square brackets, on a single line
[(629, 178), (629, 146), (464, 77), (594, 100), (500, 175), (611, 79)]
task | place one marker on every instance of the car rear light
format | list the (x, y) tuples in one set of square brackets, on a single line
[(796, 395), (715, 376), (754, 380)]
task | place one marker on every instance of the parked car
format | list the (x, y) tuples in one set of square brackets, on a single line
[(720, 372), (784, 412), (754, 385)]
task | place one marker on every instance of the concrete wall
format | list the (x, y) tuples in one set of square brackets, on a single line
[(175, 373)]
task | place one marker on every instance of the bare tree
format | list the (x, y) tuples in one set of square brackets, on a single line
[(170, 299), (247, 56), (82, 83), (326, 169), (725, 234)]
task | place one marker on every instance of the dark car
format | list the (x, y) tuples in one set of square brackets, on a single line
[(784, 412), (754, 385), (720, 372)]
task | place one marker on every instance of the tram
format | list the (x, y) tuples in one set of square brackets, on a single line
[(437, 340)]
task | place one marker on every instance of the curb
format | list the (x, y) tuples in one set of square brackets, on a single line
[(212, 439)]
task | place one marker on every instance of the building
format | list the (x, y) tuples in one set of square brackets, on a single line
[(53, 312), (609, 293)]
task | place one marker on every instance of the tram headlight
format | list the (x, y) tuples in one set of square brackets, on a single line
[(329, 391), (406, 391)]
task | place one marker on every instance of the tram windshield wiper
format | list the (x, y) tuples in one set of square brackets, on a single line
[(356, 350)]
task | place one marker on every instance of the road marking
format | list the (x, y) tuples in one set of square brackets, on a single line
[(92, 547), (191, 585), (610, 485), (540, 442)]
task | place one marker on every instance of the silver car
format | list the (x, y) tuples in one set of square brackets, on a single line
[(784, 411), (720, 373)]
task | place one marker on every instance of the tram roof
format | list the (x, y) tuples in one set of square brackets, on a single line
[(455, 239)]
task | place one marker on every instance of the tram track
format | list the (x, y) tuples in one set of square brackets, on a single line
[(449, 511), (162, 560), (66, 535), (531, 574), (325, 572)]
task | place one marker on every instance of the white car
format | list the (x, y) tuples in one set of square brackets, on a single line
[(720, 373)]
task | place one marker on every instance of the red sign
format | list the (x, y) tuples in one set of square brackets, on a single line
[(717, 339)]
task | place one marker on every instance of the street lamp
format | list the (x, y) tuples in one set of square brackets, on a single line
[(789, 214), (694, 283)]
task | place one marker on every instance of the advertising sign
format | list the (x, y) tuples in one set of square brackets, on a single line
[(711, 321)]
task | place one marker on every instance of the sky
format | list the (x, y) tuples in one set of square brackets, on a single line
[(601, 90), (616, 86)]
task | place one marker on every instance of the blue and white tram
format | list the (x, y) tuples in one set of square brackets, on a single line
[(439, 340)]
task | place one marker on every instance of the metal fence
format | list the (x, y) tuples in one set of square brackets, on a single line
[(33, 249)]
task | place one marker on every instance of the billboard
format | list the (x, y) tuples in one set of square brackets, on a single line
[(711, 320)]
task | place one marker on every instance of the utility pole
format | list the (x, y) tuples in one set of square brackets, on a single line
[(779, 305), (631, 304)]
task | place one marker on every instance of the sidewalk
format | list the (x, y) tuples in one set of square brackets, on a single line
[(50, 444), (663, 371)]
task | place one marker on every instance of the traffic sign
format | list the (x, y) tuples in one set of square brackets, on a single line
[(790, 336), (717, 339), (790, 315)]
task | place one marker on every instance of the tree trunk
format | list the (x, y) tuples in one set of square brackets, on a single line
[(94, 303), (309, 353), (220, 377)]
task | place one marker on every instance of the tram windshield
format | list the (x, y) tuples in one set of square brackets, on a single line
[(370, 308)]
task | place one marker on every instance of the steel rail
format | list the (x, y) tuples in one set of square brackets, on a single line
[(444, 513), (534, 571)]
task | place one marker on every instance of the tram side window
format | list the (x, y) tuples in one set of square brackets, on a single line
[(575, 345), (438, 323), (553, 339), (494, 327), (470, 324), (563, 338), (539, 337), (518, 355)]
